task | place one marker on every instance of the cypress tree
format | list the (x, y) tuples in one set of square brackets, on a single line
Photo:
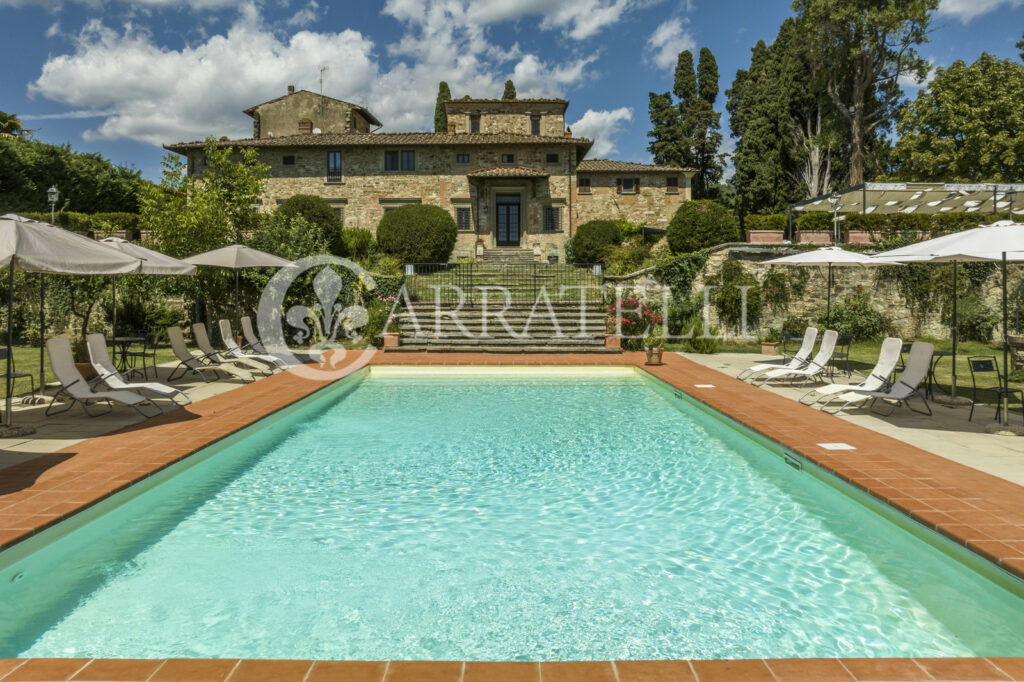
[(510, 90), (707, 123), (664, 133), (444, 93)]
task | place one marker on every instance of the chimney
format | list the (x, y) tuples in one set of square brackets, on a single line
[(568, 131), (291, 89)]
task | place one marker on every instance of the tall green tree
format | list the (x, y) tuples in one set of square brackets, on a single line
[(864, 47), (686, 132), (88, 183), (11, 127), (707, 137), (967, 125), (510, 90), (444, 94)]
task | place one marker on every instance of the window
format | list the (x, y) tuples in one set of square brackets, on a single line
[(287, 160), (474, 123), (305, 126), (583, 184), (340, 212), (508, 158), (334, 167), (391, 161), (627, 185), (551, 223), (462, 158), (552, 158), (672, 185), (408, 160), (463, 218), (535, 125)]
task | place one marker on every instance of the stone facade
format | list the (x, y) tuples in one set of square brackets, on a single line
[(502, 176), (507, 116), (288, 115)]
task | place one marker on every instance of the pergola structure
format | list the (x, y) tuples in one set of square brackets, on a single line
[(918, 197)]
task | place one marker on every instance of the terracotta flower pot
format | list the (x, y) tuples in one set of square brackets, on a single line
[(769, 347), (814, 237), (86, 370), (654, 356), (764, 236), (390, 339)]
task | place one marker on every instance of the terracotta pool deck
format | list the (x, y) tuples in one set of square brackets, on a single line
[(980, 511)]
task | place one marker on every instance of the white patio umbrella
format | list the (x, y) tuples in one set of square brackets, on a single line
[(35, 246), (1002, 241), (831, 256), (237, 257), (153, 263)]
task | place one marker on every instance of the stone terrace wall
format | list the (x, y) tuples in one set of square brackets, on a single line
[(651, 205), (846, 282)]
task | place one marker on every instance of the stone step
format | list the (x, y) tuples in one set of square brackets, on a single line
[(418, 348)]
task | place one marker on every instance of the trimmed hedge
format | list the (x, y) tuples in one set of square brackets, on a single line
[(417, 233), (83, 223), (320, 215), (775, 221), (700, 225), (815, 220), (592, 240), (358, 242)]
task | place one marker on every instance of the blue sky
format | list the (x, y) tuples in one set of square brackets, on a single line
[(122, 77)]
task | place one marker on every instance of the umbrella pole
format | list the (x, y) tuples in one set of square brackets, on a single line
[(10, 343), (238, 312), (42, 331), (113, 296), (1006, 352), (828, 306), (953, 332)]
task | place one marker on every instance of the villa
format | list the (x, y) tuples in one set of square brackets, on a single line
[(510, 172)]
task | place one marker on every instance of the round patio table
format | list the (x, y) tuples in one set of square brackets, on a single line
[(121, 344), (936, 357)]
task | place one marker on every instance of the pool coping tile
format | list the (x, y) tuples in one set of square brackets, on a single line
[(979, 511)]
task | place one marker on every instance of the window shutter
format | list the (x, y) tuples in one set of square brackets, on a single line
[(618, 185), (636, 185)]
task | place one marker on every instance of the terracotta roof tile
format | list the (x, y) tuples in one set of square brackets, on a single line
[(598, 165), (365, 139), (508, 172)]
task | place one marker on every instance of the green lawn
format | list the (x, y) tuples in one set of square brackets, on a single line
[(864, 354), (26, 359)]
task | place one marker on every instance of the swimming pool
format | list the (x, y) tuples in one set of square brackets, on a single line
[(496, 515)]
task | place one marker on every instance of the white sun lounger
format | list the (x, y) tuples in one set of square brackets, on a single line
[(202, 340), (234, 351), (888, 356), (109, 375), (74, 387), (814, 369), (249, 334), (899, 393), (201, 364), (798, 360)]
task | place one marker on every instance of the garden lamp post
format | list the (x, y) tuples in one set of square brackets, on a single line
[(834, 200), (52, 195)]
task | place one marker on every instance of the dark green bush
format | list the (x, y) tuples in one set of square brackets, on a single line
[(814, 220), (417, 233), (320, 216), (83, 223), (592, 240), (729, 297), (358, 242), (910, 223), (775, 221), (795, 326), (699, 342), (857, 317), (700, 225), (870, 222), (975, 320)]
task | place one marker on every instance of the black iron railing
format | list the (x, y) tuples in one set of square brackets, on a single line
[(471, 283)]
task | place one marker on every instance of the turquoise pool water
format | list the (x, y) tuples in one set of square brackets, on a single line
[(489, 517)]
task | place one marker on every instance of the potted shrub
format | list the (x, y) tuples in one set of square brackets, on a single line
[(80, 352), (770, 343), (765, 229), (814, 228), (655, 347)]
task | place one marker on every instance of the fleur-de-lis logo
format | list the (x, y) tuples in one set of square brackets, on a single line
[(321, 324)]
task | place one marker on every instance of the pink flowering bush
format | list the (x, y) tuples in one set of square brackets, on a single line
[(637, 319)]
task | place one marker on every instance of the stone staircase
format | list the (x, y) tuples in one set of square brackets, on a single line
[(508, 256), (479, 325)]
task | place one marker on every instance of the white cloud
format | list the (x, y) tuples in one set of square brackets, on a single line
[(581, 18), (77, 113), (160, 95), (53, 30), (965, 10), (908, 82), (601, 127), (173, 4), (305, 16), (667, 41)]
